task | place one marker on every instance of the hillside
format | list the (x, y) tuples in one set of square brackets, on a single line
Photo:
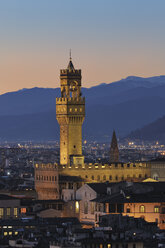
[(125, 105), (154, 131)]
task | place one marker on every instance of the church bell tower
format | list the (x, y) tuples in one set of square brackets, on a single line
[(70, 114)]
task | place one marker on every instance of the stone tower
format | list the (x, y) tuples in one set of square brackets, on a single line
[(70, 114), (114, 151), (46, 181)]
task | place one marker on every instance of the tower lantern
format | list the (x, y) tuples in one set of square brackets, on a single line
[(70, 114)]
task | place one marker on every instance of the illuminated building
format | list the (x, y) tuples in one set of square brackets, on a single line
[(70, 113)]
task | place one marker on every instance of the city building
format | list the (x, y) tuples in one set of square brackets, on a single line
[(46, 181)]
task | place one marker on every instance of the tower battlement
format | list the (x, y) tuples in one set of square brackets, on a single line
[(70, 100), (46, 167), (64, 72)]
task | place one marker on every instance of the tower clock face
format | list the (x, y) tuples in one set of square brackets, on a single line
[(73, 86)]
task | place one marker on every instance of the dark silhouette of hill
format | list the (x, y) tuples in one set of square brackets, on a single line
[(154, 131), (126, 105)]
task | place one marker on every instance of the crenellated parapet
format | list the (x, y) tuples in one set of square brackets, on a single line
[(113, 172), (64, 72), (70, 100), (47, 167), (110, 166)]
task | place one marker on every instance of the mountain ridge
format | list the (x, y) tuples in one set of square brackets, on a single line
[(125, 105)]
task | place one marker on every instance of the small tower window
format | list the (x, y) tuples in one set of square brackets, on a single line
[(74, 146), (75, 109)]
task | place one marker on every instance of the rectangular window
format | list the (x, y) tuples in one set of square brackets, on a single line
[(85, 207), (1, 212), (8, 212), (23, 210), (92, 207), (15, 212), (128, 210), (77, 207)]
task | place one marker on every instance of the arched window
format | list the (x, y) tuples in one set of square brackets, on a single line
[(104, 177), (92, 177), (116, 178), (142, 209), (122, 178), (140, 176), (110, 177), (98, 177)]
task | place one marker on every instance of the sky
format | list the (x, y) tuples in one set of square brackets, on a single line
[(110, 40)]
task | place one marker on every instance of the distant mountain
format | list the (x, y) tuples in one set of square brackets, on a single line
[(154, 131), (125, 105)]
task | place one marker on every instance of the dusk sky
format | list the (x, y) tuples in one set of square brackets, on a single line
[(110, 40)]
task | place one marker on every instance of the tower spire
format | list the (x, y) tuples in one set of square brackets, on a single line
[(70, 54), (114, 151), (70, 65)]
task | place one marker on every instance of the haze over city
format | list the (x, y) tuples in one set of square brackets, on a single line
[(109, 39)]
